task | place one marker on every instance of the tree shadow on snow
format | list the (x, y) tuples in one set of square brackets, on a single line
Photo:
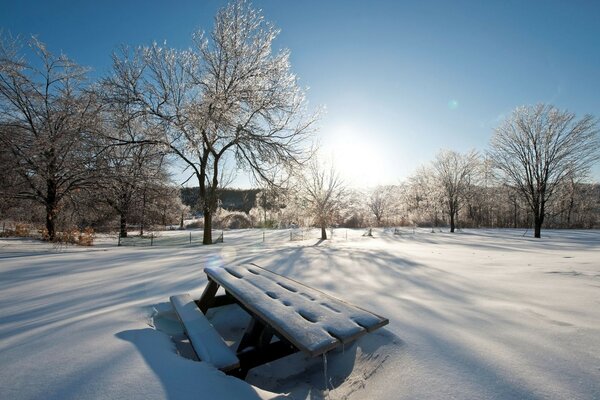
[(182, 378)]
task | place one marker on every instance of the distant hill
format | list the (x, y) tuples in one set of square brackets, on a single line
[(231, 199)]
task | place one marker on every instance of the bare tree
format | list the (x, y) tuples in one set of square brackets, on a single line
[(354, 212), (9, 182), (229, 98), (47, 118), (538, 147), (322, 191), (134, 170), (423, 196), (380, 202), (131, 167), (271, 199), (455, 174)]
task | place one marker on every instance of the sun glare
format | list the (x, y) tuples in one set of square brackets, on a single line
[(356, 160)]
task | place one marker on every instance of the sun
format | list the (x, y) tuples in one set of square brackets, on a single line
[(356, 159)]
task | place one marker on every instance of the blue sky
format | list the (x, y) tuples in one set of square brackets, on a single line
[(399, 80)]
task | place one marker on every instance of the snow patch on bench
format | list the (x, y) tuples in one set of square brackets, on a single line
[(207, 343)]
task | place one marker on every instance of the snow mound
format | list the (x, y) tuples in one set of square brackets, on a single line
[(340, 374)]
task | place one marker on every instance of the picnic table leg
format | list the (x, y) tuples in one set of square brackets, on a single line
[(251, 335), (208, 296), (265, 337)]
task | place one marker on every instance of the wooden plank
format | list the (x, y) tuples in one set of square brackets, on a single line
[(368, 319), (207, 343), (207, 298), (222, 300), (311, 320), (251, 335)]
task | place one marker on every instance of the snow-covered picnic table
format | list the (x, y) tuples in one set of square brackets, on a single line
[(302, 318)]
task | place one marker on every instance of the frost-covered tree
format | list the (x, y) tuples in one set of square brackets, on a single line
[(47, 120), (538, 148), (9, 183), (322, 191), (380, 202), (271, 200), (133, 171), (355, 212), (159, 203), (455, 174), (423, 196), (483, 202), (229, 98)]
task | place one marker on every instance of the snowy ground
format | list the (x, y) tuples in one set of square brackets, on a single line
[(479, 314)]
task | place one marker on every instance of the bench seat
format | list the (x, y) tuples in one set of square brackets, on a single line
[(206, 341)]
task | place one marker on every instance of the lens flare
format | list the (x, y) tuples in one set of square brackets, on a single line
[(214, 261), (228, 254)]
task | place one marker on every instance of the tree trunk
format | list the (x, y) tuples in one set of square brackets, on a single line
[(51, 209), (452, 222), (538, 218), (207, 227), (50, 221), (143, 212), (570, 211), (323, 233), (123, 227), (537, 228)]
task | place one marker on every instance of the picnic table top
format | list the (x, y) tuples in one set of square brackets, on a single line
[(311, 320)]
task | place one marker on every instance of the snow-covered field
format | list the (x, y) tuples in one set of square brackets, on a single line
[(482, 314)]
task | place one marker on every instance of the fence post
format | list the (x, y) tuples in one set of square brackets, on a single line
[(119, 239), (151, 239), (190, 237), (263, 236)]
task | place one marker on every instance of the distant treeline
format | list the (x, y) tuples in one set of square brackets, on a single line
[(230, 199)]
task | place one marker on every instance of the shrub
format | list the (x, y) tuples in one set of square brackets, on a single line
[(86, 237), (21, 230), (75, 236), (236, 220), (268, 224), (195, 225), (68, 236)]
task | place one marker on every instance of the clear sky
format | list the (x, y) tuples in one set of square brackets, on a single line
[(399, 80)]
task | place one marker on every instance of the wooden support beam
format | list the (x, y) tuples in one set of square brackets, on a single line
[(252, 335), (208, 296), (222, 300)]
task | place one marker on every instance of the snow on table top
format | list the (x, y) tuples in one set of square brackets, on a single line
[(311, 320)]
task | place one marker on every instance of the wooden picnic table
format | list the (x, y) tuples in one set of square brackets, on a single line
[(302, 318)]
